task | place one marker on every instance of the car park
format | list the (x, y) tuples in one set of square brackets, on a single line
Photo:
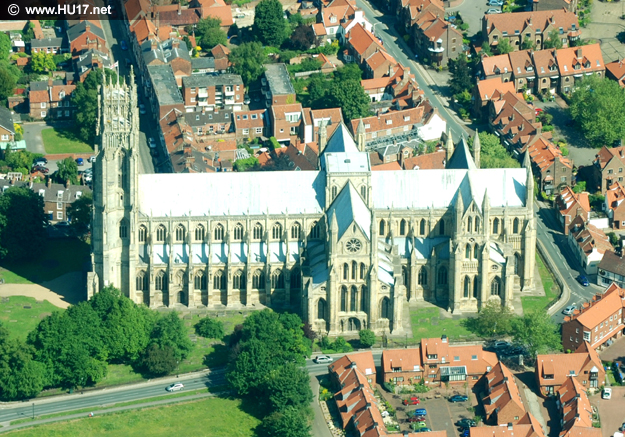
[(458, 398), (607, 393), (583, 280), (493, 11), (466, 423), (412, 401), (569, 310), (321, 359), (175, 387)]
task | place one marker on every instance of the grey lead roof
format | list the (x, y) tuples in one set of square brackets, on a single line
[(202, 63), (348, 208), (6, 119), (80, 28), (46, 42), (211, 80), (340, 141), (165, 51), (278, 79), (201, 119), (461, 159), (165, 86)]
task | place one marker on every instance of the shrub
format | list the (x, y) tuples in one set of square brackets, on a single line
[(340, 345), (210, 328), (367, 338), (564, 150), (388, 387), (158, 361)]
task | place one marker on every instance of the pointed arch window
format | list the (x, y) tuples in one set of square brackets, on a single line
[(422, 227), (442, 276), (160, 233), (441, 227), (354, 270), (199, 280), (258, 280), (142, 281), (353, 302), (477, 224), (496, 226), (258, 231), (362, 271), (403, 227), (495, 286), (160, 282), (363, 193), (199, 233), (382, 228), (143, 233), (123, 229), (276, 231), (314, 231), (467, 251), (476, 287), (180, 233), (321, 309), (343, 298), (467, 286), (517, 264), (470, 224), (219, 280), (295, 231), (296, 279), (345, 271), (238, 232), (363, 298), (475, 251), (277, 279), (515, 226), (423, 276), (334, 192), (385, 308), (219, 232), (237, 280), (405, 275)]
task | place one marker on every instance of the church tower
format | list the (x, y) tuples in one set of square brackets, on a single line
[(114, 254)]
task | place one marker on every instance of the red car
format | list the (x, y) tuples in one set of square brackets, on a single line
[(40, 168), (416, 419), (412, 401)]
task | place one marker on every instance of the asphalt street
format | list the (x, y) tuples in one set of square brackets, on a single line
[(396, 47)]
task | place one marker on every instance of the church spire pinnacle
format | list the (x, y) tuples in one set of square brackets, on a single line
[(449, 145), (476, 148)]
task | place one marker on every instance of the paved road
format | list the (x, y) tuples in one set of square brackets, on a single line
[(396, 47), (32, 136)]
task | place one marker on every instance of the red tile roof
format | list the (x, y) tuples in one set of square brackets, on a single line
[(390, 120), (616, 70), (387, 166), (503, 394), (601, 307), (361, 39), (580, 60), (536, 20), (428, 161), (560, 366), (570, 201)]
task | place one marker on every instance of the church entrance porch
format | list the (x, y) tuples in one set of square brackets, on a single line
[(351, 325)]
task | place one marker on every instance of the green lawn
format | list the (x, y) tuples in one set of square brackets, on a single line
[(58, 140), (551, 289), (212, 417), (56, 257), (427, 323), (20, 314)]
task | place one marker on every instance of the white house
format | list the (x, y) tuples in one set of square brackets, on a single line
[(588, 243), (433, 126)]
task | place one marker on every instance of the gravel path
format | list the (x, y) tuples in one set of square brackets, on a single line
[(62, 292)]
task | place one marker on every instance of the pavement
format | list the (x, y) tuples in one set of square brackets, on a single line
[(61, 292), (605, 25), (611, 411), (615, 352)]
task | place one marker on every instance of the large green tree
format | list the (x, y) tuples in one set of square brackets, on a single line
[(85, 97), (80, 213), (553, 41), (291, 422), (537, 332), (209, 327), (42, 62), (460, 75), (5, 46), (492, 153), (247, 61), (288, 386), (22, 222), (210, 33), (303, 37), (7, 83), (494, 320), (597, 107), (157, 361), (351, 97), (169, 331), (20, 376), (67, 170), (269, 23)]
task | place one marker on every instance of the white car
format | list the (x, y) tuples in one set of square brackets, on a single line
[(493, 11), (321, 359), (152, 143), (91, 159), (175, 387), (607, 393)]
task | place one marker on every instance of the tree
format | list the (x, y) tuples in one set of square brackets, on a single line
[(348, 72), (287, 423), (169, 331), (249, 371), (247, 61), (597, 107), (19, 132), (614, 239), (269, 22), (210, 328), (5, 46), (7, 83), (493, 154), (553, 41), (579, 187), (303, 37), (246, 164), (537, 332), (367, 337), (85, 97), (67, 170), (28, 32), (157, 361), (486, 49), (528, 44), (460, 75), (21, 223), (351, 97), (504, 47), (210, 33), (20, 376), (493, 320), (80, 213), (288, 386), (42, 62)]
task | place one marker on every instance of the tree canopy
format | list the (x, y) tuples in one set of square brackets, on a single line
[(460, 75), (247, 61), (597, 107), (367, 337), (209, 327), (20, 376), (21, 223), (5, 46), (67, 170), (80, 213), (41, 62), (303, 37), (504, 47), (7, 83), (553, 41), (286, 423), (269, 23), (210, 33), (492, 153), (537, 332), (494, 320)]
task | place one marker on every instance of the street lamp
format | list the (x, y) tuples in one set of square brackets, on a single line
[(33, 411)]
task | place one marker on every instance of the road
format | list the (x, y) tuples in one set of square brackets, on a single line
[(395, 46)]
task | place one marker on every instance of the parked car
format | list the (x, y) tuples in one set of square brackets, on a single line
[(423, 430), (607, 393), (80, 161), (415, 419), (466, 423), (420, 412), (175, 387), (493, 11), (123, 45), (583, 280), (152, 143), (62, 224), (87, 177), (91, 159), (495, 3), (246, 99), (500, 344), (40, 161), (569, 310), (412, 401), (142, 108), (466, 432), (458, 398), (418, 425), (40, 168), (321, 359), (385, 413)]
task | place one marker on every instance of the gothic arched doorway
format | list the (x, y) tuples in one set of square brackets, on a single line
[(353, 324)]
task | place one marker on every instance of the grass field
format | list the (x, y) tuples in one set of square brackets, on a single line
[(56, 258), (20, 314), (214, 417), (551, 289), (427, 323), (57, 140)]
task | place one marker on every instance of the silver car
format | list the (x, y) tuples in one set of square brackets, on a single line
[(569, 310)]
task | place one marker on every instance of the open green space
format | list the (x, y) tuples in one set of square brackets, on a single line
[(214, 417), (56, 257), (427, 323), (20, 314), (552, 291), (60, 140)]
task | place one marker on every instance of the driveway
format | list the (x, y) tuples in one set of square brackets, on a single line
[(614, 352), (611, 411), (32, 136)]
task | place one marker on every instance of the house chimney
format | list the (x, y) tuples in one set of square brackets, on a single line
[(175, 44), (153, 44), (579, 52), (179, 9), (444, 338), (67, 184), (49, 182)]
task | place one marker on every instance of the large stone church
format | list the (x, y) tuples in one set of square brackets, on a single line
[(344, 246)]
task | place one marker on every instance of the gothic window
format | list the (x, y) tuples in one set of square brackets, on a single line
[(354, 269), (200, 280), (160, 282), (404, 271), (477, 224), (467, 286), (517, 264), (363, 297), (385, 308), (314, 231), (276, 231), (467, 251), (363, 193), (258, 280), (442, 276), (296, 279), (219, 232), (258, 231), (476, 286), (180, 233), (423, 276), (382, 228), (334, 192), (496, 226), (219, 280), (160, 233), (321, 309), (362, 271), (238, 232), (422, 227), (295, 231), (142, 281), (143, 232), (475, 251), (199, 233), (353, 245), (354, 299), (343, 298), (345, 272), (494, 287), (402, 227), (441, 227), (515, 226), (470, 224), (237, 280), (277, 279), (123, 229)]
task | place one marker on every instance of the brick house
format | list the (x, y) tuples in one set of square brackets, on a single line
[(51, 99), (575, 411), (250, 124), (487, 89), (213, 91), (378, 65), (588, 243), (515, 122), (88, 61), (436, 40), (616, 71), (608, 167), (84, 36), (611, 269), (614, 205), (503, 403), (409, 12), (429, 161), (547, 72), (527, 426), (7, 128), (389, 123), (287, 122), (570, 205), (576, 62), (597, 321), (549, 5), (523, 72), (584, 365), (554, 171), (173, 52), (217, 122), (496, 67), (164, 93), (46, 45), (276, 85), (535, 26), (361, 44)]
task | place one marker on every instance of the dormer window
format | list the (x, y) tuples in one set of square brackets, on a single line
[(577, 66), (254, 116), (61, 95), (407, 118), (504, 33), (389, 121), (432, 356), (333, 19), (197, 118), (516, 32), (561, 30), (573, 26)]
